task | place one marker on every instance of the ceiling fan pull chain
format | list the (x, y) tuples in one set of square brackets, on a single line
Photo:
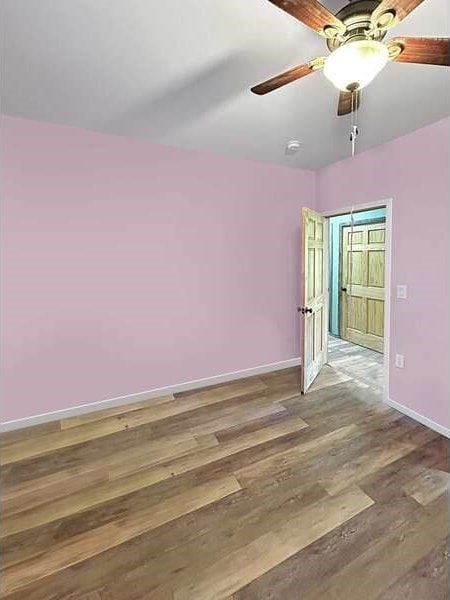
[(354, 131), (350, 256), (353, 134)]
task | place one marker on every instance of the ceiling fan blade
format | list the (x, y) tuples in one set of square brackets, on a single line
[(313, 14), (390, 12), (426, 51), (348, 102), (288, 76)]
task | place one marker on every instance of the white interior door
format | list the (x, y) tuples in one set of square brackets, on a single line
[(314, 310)]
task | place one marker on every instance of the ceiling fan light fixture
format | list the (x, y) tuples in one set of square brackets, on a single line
[(355, 64)]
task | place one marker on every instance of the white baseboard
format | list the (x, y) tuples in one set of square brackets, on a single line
[(147, 395), (418, 417)]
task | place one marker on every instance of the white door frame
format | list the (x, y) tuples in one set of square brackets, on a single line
[(387, 273)]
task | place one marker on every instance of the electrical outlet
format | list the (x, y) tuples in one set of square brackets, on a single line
[(399, 361), (402, 291)]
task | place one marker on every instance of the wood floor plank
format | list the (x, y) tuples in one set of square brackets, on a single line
[(241, 415), (240, 520), (428, 579), (160, 555), (228, 575), (428, 486), (224, 391), (99, 494), (41, 490), (387, 483), (18, 435), (387, 560), (50, 488), (20, 546), (161, 593), (132, 464), (285, 459), (373, 460), (103, 448), (90, 596), (324, 464), (366, 365), (242, 428), (121, 409), (342, 403), (77, 435), (81, 548), (328, 377), (330, 553), (82, 433), (282, 385), (321, 453)]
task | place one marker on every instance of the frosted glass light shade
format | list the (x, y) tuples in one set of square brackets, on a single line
[(355, 64)]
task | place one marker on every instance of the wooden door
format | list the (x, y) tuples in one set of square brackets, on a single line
[(362, 278), (314, 318)]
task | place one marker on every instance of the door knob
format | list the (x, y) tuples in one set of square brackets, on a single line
[(305, 310), (343, 289)]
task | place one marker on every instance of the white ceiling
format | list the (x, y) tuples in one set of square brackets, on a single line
[(178, 73)]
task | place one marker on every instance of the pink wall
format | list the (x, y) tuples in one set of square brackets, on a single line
[(414, 171), (128, 266)]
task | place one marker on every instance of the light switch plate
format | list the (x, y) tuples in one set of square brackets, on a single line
[(402, 291)]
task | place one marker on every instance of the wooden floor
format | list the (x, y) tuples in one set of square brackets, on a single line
[(242, 491), (362, 364)]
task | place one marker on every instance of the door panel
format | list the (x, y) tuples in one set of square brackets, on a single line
[(311, 269), (356, 237), (375, 274), (375, 317), (362, 297), (356, 313), (318, 278), (318, 332), (358, 268), (319, 231), (314, 321), (376, 235)]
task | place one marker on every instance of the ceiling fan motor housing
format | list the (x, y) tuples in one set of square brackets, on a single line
[(356, 16)]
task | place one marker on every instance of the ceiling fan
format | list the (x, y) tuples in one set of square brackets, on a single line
[(354, 37)]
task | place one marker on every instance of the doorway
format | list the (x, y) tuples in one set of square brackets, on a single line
[(345, 272), (357, 274)]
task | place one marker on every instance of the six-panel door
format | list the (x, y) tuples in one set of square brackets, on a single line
[(362, 277)]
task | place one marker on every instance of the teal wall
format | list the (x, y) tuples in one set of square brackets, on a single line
[(335, 223)]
